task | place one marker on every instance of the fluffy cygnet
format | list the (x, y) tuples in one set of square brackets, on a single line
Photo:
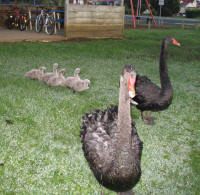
[(35, 73), (48, 75), (81, 85), (70, 80), (57, 80)]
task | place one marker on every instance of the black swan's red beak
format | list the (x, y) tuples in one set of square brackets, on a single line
[(175, 42), (131, 86)]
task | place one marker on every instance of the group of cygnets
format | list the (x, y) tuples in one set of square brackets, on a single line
[(57, 78)]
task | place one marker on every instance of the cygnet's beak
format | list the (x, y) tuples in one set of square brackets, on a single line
[(131, 86)]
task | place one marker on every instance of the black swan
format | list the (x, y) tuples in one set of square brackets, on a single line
[(150, 97), (110, 141)]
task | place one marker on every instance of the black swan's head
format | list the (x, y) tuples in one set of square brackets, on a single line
[(171, 40), (128, 77)]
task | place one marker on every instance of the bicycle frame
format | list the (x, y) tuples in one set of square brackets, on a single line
[(45, 21)]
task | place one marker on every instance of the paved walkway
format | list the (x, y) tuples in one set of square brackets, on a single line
[(16, 35)]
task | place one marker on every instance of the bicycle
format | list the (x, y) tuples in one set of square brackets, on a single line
[(17, 19), (23, 20), (46, 21)]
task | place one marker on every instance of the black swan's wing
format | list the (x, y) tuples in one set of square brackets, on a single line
[(137, 145), (150, 97), (97, 132), (146, 92), (145, 88)]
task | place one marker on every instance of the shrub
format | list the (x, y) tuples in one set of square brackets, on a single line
[(127, 10), (170, 8), (192, 13)]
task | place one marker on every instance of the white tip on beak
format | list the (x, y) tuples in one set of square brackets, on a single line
[(131, 94)]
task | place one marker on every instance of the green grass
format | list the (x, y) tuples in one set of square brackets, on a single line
[(41, 150)]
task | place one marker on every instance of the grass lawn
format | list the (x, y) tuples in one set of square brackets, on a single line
[(40, 153)]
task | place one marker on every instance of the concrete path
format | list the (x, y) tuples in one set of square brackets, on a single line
[(16, 35)]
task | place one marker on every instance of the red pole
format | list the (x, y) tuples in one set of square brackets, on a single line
[(151, 13), (136, 13), (132, 10)]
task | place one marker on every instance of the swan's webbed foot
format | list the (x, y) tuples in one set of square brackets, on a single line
[(148, 120), (126, 193)]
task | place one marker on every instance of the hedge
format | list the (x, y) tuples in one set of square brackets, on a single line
[(192, 13)]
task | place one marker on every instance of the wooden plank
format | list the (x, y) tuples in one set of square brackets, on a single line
[(98, 32), (94, 8), (95, 14), (82, 14), (115, 9), (106, 15), (85, 28), (82, 21), (82, 8), (94, 21), (94, 34), (109, 21)]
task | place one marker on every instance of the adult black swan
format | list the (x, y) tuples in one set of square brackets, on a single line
[(149, 96), (110, 141)]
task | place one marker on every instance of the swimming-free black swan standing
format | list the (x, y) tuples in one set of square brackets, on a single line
[(110, 141), (149, 96)]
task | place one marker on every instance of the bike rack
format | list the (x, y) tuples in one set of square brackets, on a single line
[(56, 15)]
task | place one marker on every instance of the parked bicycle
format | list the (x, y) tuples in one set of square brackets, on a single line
[(17, 19), (23, 20), (45, 20)]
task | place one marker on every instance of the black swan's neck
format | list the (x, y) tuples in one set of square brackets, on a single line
[(124, 115), (164, 77)]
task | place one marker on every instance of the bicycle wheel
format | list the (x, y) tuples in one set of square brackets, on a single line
[(50, 24), (9, 24), (38, 24), (22, 27)]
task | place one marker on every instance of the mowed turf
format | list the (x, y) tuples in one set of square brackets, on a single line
[(40, 147)]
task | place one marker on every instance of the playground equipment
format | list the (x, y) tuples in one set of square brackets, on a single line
[(138, 11)]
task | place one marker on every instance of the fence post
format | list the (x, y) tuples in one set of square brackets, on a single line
[(183, 25), (149, 23), (30, 21), (58, 17), (67, 5), (54, 15), (197, 26), (162, 22)]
